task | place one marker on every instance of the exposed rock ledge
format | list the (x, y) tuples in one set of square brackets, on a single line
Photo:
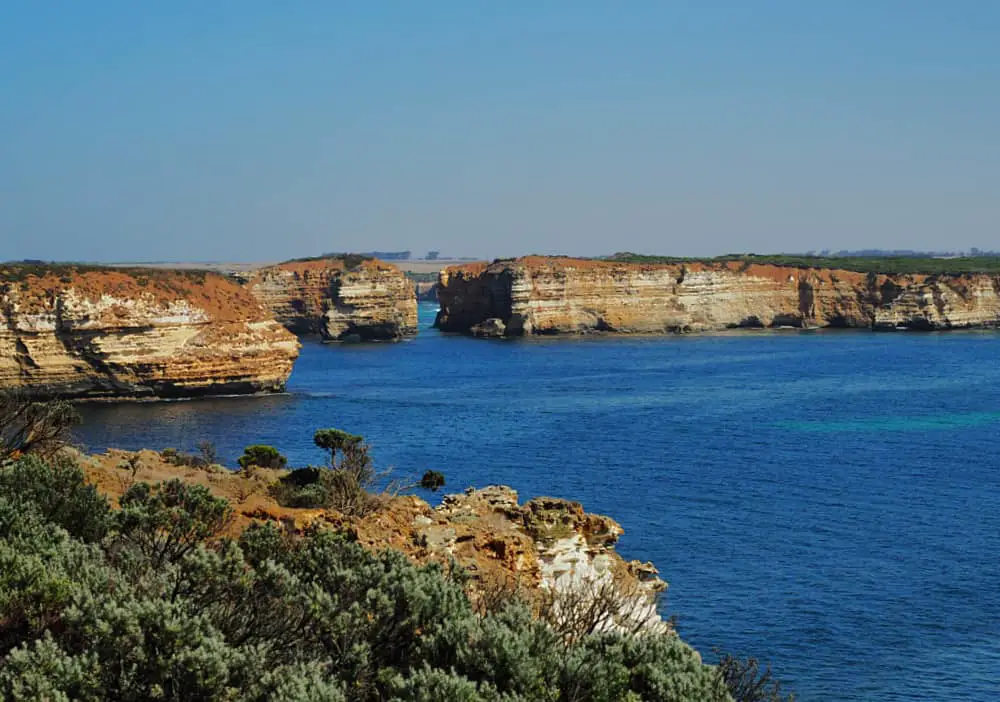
[(540, 295), (370, 301), (544, 545), (136, 333)]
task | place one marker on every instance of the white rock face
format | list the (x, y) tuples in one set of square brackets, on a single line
[(564, 550)]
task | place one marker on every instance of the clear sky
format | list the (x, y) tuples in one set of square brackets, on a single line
[(246, 130)]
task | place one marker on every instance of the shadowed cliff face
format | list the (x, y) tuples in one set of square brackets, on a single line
[(372, 301), (538, 295), (119, 334)]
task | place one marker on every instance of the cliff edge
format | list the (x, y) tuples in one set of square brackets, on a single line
[(369, 300), (100, 332), (544, 549), (551, 295)]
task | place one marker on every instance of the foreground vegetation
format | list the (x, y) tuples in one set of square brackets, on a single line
[(155, 600), (150, 602), (861, 264)]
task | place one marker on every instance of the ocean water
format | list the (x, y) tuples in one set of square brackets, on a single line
[(827, 501)]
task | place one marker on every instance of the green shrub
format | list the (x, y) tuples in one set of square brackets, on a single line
[(262, 456), (167, 521), (59, 492)]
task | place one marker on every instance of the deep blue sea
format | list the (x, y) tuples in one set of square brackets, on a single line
[(828, 501)]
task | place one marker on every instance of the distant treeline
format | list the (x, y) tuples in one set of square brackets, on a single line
[(22, 270), (926, 265), (904, 253), (351, 260)]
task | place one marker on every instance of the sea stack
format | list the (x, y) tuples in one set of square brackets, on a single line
[(339, 298)]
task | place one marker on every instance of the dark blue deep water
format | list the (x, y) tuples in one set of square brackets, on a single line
[(826, 501)]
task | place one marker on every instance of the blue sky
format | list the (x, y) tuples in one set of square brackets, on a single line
[(249, 130)]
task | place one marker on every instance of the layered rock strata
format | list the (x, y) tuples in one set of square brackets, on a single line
[(136, 333), (539, 295), (370, 301)]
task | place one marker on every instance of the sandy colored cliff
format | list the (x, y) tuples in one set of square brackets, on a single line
[(368, 301), (91, 332), (541, 295)]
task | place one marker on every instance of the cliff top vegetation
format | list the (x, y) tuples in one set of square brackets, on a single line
[(38, 283), (349, 260), (860, 264)]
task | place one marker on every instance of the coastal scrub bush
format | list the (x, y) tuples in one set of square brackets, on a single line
[(749, 681), (261, 456), (165, 606), (28, 425), (432, 480), (58, 492), (344, 484), (165, 522)]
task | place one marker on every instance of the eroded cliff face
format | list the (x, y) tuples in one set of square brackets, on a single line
[(137, 333), (537, 295), (371, 301)]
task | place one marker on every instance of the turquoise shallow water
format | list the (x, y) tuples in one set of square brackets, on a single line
[(827, 501)]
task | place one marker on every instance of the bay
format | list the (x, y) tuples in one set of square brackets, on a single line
[(828, 501)]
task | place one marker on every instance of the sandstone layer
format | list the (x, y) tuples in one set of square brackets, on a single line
[(369, 301), (546, 547), (541, 295), (135, 333)]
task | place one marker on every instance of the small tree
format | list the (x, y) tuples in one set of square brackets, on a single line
[(334, 440), (432, 480), (352, 473), (32, 426), (208, 452)]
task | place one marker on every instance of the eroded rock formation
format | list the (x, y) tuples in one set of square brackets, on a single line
[(136, 333), (539, 295), (369, 301)]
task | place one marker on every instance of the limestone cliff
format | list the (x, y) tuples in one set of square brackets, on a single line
[(94, 332), (538, 295), (370, 301)]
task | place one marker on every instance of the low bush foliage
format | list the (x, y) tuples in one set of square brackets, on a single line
[(153, 602), (261, 456)]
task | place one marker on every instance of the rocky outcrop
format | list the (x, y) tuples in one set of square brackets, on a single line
[(539, 295), (546, 549), (134, 333), (368, 301)]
